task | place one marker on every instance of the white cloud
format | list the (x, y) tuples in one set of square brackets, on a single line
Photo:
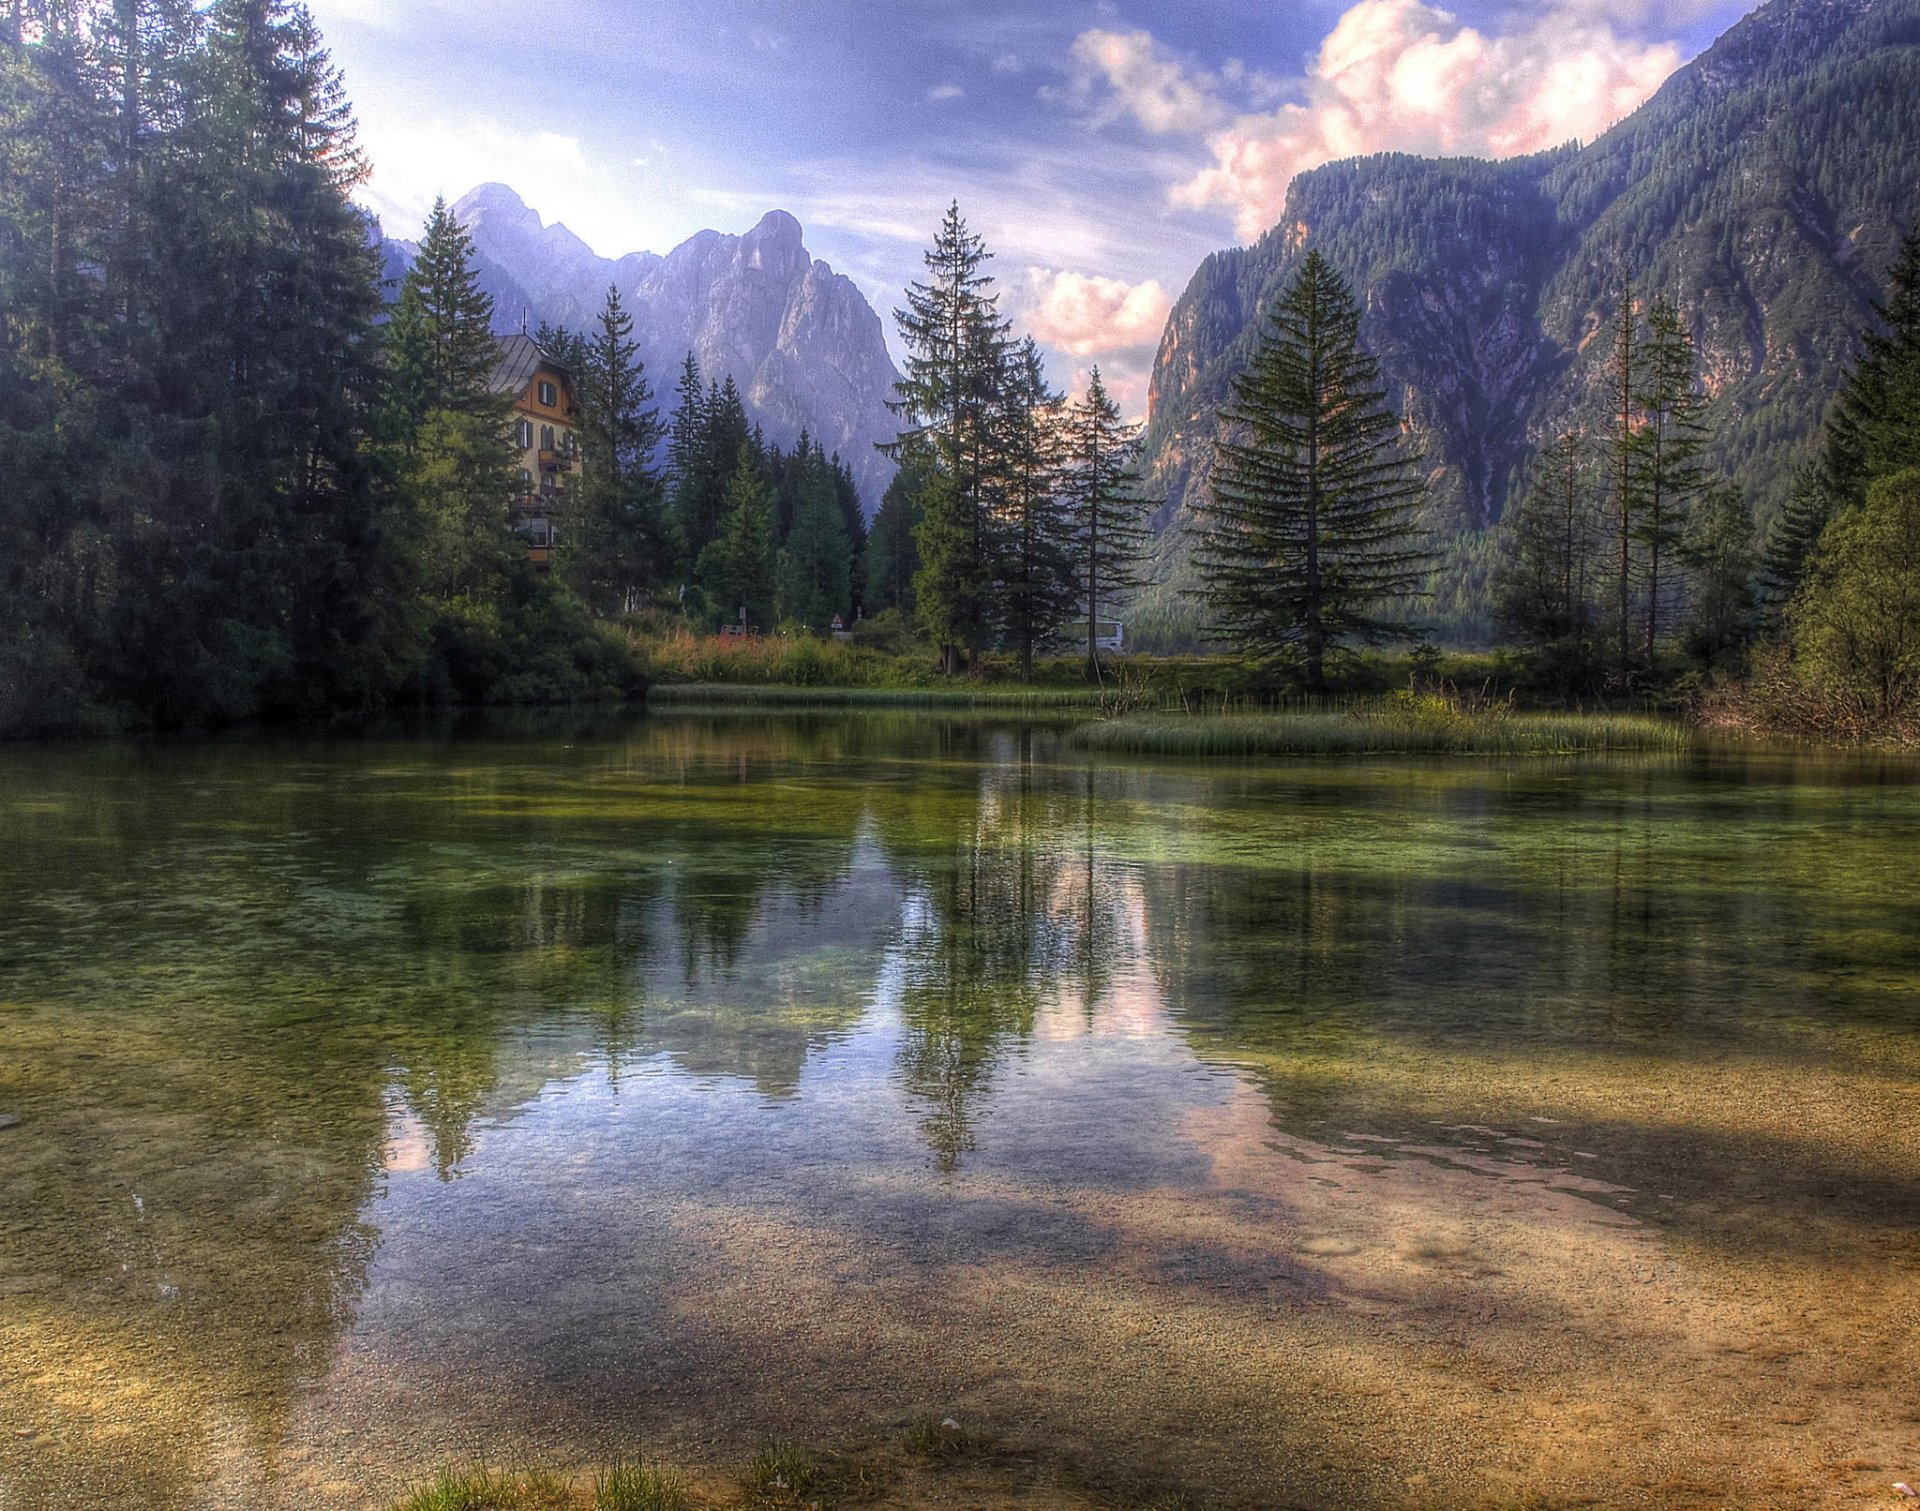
[(1009, 63), (1402, 75), (1095, 317), (421, 160), (1148, 82), (946, 92)]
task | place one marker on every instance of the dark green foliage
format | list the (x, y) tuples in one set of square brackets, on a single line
[(1308, 540), (1856, 622), (616, 544), (1036, 590), (1874, 428), (1542, 588), (1767, 185), (1104, 505), (814, 578), (892, 555), (737, 568), (1790, 543), (232, 492), (1663, 450), (951, 398), (1717, 554)]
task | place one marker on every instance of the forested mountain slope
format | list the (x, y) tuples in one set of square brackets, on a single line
[(1765, 187), (800, 341)]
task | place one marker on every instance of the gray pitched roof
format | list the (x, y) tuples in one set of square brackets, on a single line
[(519, 356)]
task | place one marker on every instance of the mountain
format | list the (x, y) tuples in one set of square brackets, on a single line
[(1765, 186), (800, 340)]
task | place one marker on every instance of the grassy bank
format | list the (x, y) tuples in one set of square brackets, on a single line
[(954, 695), (931, 1466), (1379, 729)]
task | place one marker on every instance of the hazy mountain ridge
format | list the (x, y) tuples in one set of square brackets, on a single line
[(800, 340), (1765, 185)]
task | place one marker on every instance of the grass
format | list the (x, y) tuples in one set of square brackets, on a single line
[(938, 1440), (1396, 727), (960, 695), (479, 1488), (639, 1487)]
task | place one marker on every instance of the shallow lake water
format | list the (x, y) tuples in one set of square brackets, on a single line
[(1317, 1133)]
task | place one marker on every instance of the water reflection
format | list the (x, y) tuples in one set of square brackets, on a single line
[(356, 1069)]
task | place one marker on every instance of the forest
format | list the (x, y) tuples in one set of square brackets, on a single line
[(252, 481)]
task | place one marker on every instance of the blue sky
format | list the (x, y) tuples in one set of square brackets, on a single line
[(1103, 147)]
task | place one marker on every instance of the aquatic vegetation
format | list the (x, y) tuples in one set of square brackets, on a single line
[(635, 1486), (478, 1488), (960, 695), (937, 1439), (782, 1474), (1379, 729)]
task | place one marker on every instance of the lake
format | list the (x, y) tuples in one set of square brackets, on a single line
[(1321, 1133)]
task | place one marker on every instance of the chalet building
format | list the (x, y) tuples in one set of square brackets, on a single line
[(543, 419)]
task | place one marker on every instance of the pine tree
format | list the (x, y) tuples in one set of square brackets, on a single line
[(1540, 585), (1623, 374), (700, 495), (815, 564), (1717, 552), (892, 554), (738, 565), (1791, 541), (1665, 453), (441, 330), (1309, 535), (449, 425), (1873, 428), (615, 541), (957, 347), (1036, 584), (1105, 504)]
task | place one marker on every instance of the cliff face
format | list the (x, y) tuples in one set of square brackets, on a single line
[(800, 340), (1765, 187)]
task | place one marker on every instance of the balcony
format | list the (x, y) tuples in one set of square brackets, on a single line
[(558, 459)]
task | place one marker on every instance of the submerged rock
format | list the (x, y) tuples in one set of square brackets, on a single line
[(8, 1120)]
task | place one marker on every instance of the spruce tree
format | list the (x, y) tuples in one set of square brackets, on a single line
[(1791, 540), (613, 540), (1665, 455), (1540, 584), (815, 564), (737, 567), (957, 346), (1106, 507), (1873, 428), (1717, 553), (1035, 584), (892, 554), (449, 426), (1623, 374), (1309, 536), (441, 330)]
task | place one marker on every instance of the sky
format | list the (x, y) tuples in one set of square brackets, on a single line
[(1101, 147)]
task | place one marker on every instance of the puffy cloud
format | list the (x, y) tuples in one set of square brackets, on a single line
[(1095, 317), (946, 92), (1148, 82), (1402, 75)]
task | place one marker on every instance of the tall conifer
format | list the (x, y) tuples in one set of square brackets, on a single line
[(1309, 539)]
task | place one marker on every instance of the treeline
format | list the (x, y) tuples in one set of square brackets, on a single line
[(1016, 512), (234, 488), (1627, 563), (737, 530)]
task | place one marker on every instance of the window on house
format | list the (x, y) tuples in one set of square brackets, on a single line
[(546, 438), (523, 433), (549, 395), (526, 477)]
